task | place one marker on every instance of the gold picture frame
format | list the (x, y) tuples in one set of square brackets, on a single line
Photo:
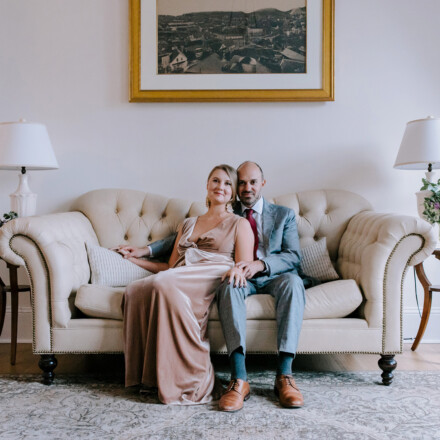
[(324, 91)]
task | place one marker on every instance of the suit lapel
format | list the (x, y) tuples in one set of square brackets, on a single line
[(268, 223)]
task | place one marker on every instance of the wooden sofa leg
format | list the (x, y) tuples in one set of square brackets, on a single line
[(48, 363), (387, 363)]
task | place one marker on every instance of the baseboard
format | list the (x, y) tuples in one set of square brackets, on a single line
[(24, 332), (411, 322)]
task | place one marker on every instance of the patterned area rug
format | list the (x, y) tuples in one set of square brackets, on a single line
[(338, 406)]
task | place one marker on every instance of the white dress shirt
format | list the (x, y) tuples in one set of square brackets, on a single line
[(258, 216)]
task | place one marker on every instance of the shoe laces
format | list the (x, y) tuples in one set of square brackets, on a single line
[(233, 385), (289, 381)]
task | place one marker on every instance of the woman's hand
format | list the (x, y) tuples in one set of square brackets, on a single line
[(236, 277)]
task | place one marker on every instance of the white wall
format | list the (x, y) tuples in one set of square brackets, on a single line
[(65, 63)]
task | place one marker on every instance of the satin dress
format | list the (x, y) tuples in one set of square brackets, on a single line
[(166, 317)]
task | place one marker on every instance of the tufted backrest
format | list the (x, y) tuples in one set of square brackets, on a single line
[(124, 216), (121, 216), (323, 213)]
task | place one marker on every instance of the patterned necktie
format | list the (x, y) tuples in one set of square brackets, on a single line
[(253, 224)]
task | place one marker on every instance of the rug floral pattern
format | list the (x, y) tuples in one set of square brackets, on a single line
[(341, 406)]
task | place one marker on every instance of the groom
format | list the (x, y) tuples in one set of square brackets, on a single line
[(274, 271)]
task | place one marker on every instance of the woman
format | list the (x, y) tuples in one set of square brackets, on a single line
[(166, 314)]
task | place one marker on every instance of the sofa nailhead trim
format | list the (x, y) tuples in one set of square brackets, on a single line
[(401, 289)]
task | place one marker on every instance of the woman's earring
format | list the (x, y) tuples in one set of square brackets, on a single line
[(207, 202)]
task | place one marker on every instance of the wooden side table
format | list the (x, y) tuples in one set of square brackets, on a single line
[(14, 288), (428, 289)]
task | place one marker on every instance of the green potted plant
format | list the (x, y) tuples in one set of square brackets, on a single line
[(431, 201), (7, 217)]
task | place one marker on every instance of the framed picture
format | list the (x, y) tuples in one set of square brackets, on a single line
[(231, 50)]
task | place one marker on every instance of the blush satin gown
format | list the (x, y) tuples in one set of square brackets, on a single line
[(166, 317)]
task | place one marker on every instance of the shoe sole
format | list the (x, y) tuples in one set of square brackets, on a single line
[(275, 389), (239, 409)]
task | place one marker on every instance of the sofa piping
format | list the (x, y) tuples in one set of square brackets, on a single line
[(401, 290), (49, 289)]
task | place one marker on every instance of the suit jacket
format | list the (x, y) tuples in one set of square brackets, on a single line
[(281, 241), (163, 247)]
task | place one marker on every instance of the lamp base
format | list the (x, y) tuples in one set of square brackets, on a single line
[(430, 176), (23, 200)]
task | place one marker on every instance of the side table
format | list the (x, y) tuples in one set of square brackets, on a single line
[(14, 288), (428, 288)]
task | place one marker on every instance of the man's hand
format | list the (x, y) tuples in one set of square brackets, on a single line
[(250, 268), (132, 251)]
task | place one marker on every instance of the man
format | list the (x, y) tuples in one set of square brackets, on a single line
[(274, 271)]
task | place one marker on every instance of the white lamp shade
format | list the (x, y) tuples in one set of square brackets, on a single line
[(25, 144), (420, 145)]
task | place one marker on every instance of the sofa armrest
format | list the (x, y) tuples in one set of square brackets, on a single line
[(375, 251), (51, 247)]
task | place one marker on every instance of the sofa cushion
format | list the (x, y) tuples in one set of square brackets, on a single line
[(335, 299), (109, 268), (316, 261), (100, 301)]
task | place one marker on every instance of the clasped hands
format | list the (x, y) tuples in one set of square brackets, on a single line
[(132, 251), (242, 271)]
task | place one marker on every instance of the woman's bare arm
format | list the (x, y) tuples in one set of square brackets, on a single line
[(244, 244), (152, 266), (244, 250), (175, 255)]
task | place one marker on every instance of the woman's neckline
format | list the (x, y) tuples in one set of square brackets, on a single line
[(208, 230)]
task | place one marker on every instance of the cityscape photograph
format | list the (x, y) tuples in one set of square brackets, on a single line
[(260, 36)]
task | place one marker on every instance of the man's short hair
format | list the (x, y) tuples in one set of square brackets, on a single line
[(255, 163)]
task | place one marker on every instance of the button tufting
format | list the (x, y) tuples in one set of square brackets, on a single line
[(125, 237), (326, 211), (116, 211), (316, 238), (300, 213), (163, 215), (150, 238)]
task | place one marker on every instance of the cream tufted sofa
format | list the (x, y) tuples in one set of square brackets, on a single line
[(372, 249)]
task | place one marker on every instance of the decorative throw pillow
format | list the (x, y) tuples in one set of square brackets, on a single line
[(109, 268), (316, 262)]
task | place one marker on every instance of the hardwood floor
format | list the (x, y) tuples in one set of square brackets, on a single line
[(427, 357)]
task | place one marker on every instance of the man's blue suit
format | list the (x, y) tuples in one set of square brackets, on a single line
[(282, 280)]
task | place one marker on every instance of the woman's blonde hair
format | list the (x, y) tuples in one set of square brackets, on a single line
[(232, 174)]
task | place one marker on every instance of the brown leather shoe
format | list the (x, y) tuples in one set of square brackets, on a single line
[(287, 391), (236, 393)]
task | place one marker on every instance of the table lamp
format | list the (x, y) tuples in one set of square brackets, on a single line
[(25, 146), (420, 150)]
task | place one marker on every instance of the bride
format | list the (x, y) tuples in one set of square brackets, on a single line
[(166, 314)]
